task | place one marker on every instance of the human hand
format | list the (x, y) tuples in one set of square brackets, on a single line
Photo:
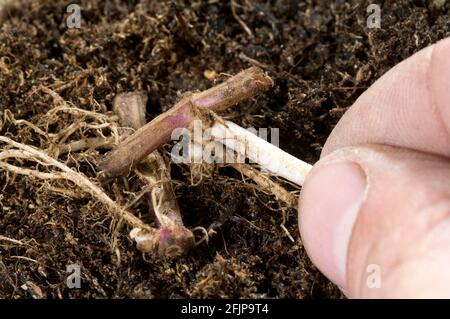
[(379, 198)]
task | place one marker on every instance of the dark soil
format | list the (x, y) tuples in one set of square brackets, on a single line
[(322, 57)]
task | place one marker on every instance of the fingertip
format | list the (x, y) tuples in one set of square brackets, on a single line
[(328, 207)]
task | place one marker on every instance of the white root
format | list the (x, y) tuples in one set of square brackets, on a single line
[(33, 154), (88, 143), (258, 150), (11, 240)]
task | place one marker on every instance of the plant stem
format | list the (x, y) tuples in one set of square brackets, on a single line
[(172, 237), (145, 140)]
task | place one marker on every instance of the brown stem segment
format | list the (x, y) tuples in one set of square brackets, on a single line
[(145, 140)]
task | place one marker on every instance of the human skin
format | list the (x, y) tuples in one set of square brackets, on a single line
[(386, 171)]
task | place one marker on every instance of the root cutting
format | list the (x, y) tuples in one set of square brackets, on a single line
[(237, 88), (148, 138), (172, 237)]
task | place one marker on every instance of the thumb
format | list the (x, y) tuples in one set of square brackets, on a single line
[(383, 227)]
